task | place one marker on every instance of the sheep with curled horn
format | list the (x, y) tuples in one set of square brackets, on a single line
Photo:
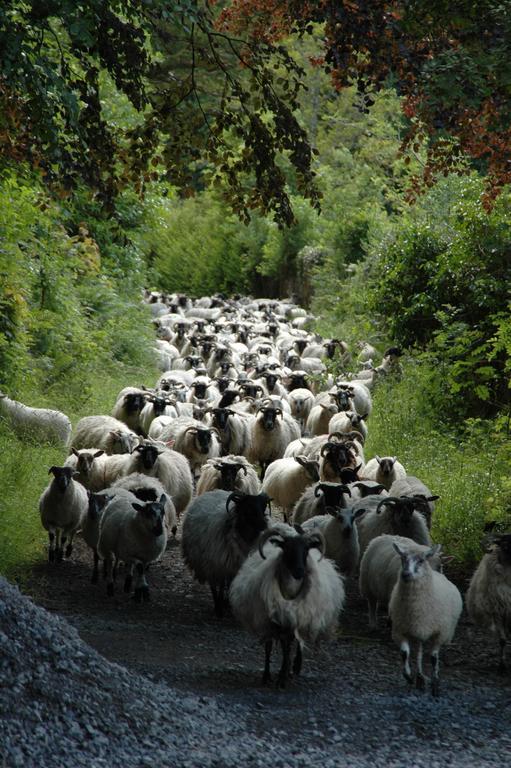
[(348, 421), (233, 429), (286, 591), (271, 432), (334, 457), (230, 473), (412, 487), (393, 515), (219, 530), (156, 405)]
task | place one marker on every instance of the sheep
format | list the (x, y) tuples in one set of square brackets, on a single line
[(296, 447), (97, 505), (105, 433), (316, 499), (489, 594), (379, 570), (384, 470), (390, 515), (347, 421), (194, 440), (156, 405), (89, 471), (367, 351), (62, 506), (319, 418), (231, 473), (362, 488), (285, 591), (128, 406), (341, 536), (301, 401), (271, 432), (286, 479), (219, 530), (147, 488), (359, 393), (334, 457), (134, 533), (424, 608), (412, 487), (233, 430), (42, 424)]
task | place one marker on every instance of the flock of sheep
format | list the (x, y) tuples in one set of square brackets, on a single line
[(246, 413)]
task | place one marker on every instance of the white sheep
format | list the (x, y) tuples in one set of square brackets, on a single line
[(316, 499), (156, 406), (412, 487), (286, 591), (286, 479), (134, 533), (380, 567), (219, 530), (301, 401), (42, 424), (233, 429), (147, 488), (62, 506), (230, 473), (341, 537), (359, 393), (105, 433), (489, 594), (89, 466), (319, 418), (424, 609), (128, 406), (97, 507), (271, 432), (347, 421), (194, 440), (384, 470)]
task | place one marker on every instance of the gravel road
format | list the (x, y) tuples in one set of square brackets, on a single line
[(106, 682)]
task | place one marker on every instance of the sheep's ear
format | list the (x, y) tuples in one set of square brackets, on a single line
[(432, 498), (52, 470), (302, 460), (98, 453), (378, 459), (75, 451), (401, 552), (298, 528), (433, 551), (358, 513), (162, 499), (138, 507)]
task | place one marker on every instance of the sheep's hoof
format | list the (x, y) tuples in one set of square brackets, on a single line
[(137, 597), (69, 550), (128, 582), (281, 682), (503, 667), (94, 579), (110, 590), (266, 678), (435, 687), (51, 556), (408, 677), (420, 682), (59, 555)]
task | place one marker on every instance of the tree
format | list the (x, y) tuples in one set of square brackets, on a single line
[(447, 59), (198, 95)]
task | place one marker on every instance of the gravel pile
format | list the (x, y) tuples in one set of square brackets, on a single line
[(61, 703)]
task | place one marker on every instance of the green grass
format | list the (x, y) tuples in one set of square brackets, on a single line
[(24, 464)]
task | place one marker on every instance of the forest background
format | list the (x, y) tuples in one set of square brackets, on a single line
[(177, 147)]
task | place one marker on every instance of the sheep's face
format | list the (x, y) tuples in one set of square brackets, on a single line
[(97, 502), (386, 464), (251, 390), (221, 417), (159, 405), (152, 514), (123, 442), (300, 345), (200, 389), (504, 549), (332, 493), (343, 400), (412, 566), (62, 476), (330, 349), (228, 474), (271, 380), (203, 439), (148, 455), (134, 402), (252, 515), (268, 417), (297, 381), (85, 461)]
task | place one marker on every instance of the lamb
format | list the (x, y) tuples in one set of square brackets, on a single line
[(42, 424), (316, 499), (384, 470), (219, 530), (301, 401), (195, 441), (390, 515), (341, 536), (105, 433), (62, 506), (380, 567), (98, 503), (89, 471), (147, 488), (134, 533), (286, 479), (271, 432), (319, 418), (424, 608), (231, 473), (412, 487), (489, 594), (286, 590)]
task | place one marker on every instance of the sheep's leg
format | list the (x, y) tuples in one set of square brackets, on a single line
[(267, 657), (95, 567), (372, 612), (420, 680), (128, 579), (142, 587), (502, 660), (217, 593), (435, 669), (51, 550), (110, 574), (297, 663), (58, 545), (405, 655), (264, 467), (69, 548), (286, 662)]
